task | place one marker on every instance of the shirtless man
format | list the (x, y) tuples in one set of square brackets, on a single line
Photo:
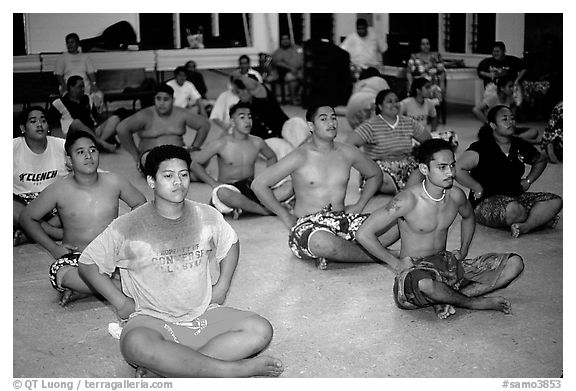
[(87, 201), (237, 154), (160, 124), (321, 226), (427, 274)]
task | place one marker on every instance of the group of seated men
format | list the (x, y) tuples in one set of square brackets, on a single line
[(119, 257)]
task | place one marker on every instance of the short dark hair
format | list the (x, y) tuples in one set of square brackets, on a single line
[(23, 117), (499, 44), (179, 69), (239, 105), (73, 136), (361, 22), (417, 84), (72, 35), (164, 88), (164, 152), (380, 98), (72, 80), (239, 83), (313, 109), (493, 112), (244, 57), (428, 148)]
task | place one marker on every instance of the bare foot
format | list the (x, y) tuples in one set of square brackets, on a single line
[(497, 303), (322, 263), (140, 372), (69, 295), (264, 366), (515, 230), (19, 237), (236, 213), (444, 310)]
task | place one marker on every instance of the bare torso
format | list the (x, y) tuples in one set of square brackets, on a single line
[(423, 231), (236, 158), (160, 130), (322, 179), (86, 211)]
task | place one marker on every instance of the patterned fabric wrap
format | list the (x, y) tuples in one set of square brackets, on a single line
[(70, 259), (339, 223), (553, 132), (399, 171), (492, 210), (26, 198)]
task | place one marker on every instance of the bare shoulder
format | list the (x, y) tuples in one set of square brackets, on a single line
[(346, 148), (256, 140), (406, 199), (458, 195)]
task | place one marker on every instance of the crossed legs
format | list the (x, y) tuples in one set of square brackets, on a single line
[(225, 355), (522, 221), (471, 295)]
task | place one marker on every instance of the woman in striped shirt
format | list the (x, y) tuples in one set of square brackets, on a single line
[(388, 138)]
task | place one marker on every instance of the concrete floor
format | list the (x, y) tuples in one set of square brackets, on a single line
[(341, 322)]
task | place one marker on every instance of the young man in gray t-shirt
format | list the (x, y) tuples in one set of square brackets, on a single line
[(176, 259)]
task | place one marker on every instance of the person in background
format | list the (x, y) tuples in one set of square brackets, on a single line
[(38, 160), (288, 65), (361, 106), (419, 105), (72, 62), (365, 48), (186, 95), (493, 169), (196, 78)]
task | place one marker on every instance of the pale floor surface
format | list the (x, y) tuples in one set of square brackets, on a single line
[(341, 322)]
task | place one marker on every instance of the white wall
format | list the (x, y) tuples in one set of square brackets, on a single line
[(46, 32), (265, 32), (510, 30), (344, 24)]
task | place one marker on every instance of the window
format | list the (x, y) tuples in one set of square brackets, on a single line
[(218, 30), (483, 31), (294, 25), (170, 31), (18, 33), (468, 33), (455, 33)]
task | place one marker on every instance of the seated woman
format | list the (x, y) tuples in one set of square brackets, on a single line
[(505, 95), (493, 169), (360, 106), (38, 160), (429, 65), (387, 139)]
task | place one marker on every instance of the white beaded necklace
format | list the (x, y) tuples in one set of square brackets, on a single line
[(432, 198), (389, 124)]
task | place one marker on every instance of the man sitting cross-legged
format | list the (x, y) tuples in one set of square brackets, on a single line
[(321, 226), (86, 201), (428, 275), (237, 154), (161, 124), (176, 259)]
